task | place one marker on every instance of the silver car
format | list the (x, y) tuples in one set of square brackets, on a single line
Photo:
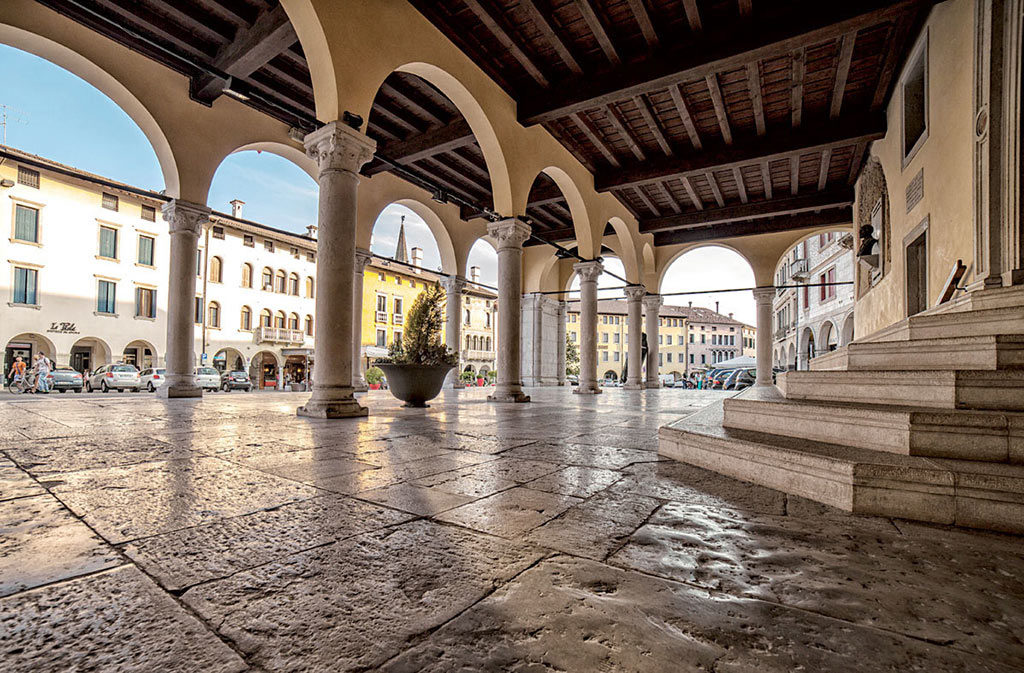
[(151, 379), (207, 378), (114, 377)]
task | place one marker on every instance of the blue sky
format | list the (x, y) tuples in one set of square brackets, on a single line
[(56, 115)]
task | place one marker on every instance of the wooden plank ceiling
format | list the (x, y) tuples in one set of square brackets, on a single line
[(705, 118)]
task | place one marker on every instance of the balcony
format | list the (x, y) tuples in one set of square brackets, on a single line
[(472, 354), (398, 319), (382, 316), (278, 335), (798, 270)]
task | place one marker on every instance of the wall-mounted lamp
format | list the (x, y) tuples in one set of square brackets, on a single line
[(6, 182)]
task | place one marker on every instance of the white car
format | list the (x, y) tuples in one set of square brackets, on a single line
[(114, 377), (151, 379), (207, 378)]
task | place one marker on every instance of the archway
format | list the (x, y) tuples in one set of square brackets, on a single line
[(847, 336), (828, 337), (557, 212), (791, 360), (268, 182), (807, 341), (88, 353), (27, 346), (140, 353), (416, 226), (265, 370), (610, 375), (229, 359)]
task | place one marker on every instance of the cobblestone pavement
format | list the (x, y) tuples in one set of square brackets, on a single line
[(230, 535)]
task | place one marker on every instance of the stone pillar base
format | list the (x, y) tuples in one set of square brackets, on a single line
[(508, 397), (332, 409), (633, 386), (170, 391), (360, 388), (581, 390)]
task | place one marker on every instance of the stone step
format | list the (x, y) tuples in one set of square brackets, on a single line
[(961, 434), (952, 324), (983, 352), (998, 390), (966, 493)]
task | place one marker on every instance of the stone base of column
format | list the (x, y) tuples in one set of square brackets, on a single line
[(500, 395), (587, 390), (360, 388), (634, 386), (341, 404), (181, 389), (652, 384)]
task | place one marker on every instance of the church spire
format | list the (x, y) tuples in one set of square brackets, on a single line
[(401, 253)]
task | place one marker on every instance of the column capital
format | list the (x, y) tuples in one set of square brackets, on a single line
[(764, 295), (563, 307), (453, 284), (509, 233), (635, 292), (653, 302), (338, 147), (363, 257), (185, 216), (588, 271)]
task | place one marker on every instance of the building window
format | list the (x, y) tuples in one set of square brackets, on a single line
[(199, 264), (293, 321), (268, 246), (198, 311), (604, 338), (108, 242), (703, 359), (827, 292), (398, 280), (310, 257), (248, 241), (398, 306), (615, 356), (604, 356), (466, 317), (214, 314), (218, 232), (109, 201), (28, 177), (309, 325), (280, 320), (267, 280), (309, 287), (266, 319), (702, 338), (106, 297), (572, 337), (383, 278), (616, 335), (247, 275), (487, 319), (668, 339), (281, 282), (691, 338), (246, 322), (293, 285), (216, 265), (382, 338), (914, 86), (145, 302), (668, 357), (148, 213), (26, 224), (397, 339), (382, 304), (691, 358), (146, 244)]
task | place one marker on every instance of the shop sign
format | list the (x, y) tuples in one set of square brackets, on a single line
[(63, 328)]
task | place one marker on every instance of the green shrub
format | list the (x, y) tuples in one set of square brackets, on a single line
[(421, 341), (374, 375)]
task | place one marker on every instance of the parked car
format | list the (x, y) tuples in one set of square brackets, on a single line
[(235, 380), (573, 380), (152, 378), (63, 379), (207, 378), (744, 379), (114, 377)]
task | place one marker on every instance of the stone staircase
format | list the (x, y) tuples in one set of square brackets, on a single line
[(923, 420)]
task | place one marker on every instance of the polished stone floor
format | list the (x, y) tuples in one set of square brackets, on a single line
[(230, 535)]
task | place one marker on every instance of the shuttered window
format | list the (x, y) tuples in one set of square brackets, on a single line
[(108, 242), (106, 297), (26, 224), (25, 282)]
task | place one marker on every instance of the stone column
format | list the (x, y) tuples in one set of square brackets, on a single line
[(560, 335), (652, 306), (538, 339), (453, 287), (634, 322), (185, 222), (340, 152), (510, 235), (362, 258), (589, 272), (763, 297)]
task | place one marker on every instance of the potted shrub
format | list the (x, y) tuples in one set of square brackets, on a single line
[(374, 376), (416, 367), (467, 378)]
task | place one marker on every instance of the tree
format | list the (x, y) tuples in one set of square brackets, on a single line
[(572, 358), (421, 341)]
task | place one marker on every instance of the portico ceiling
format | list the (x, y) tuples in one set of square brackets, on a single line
[(704, 118)]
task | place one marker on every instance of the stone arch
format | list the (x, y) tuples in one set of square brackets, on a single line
[(108, 85), (872, 190), (445, 247), (577, 207), (791, 360), (847, 334), (828, 337), (134, 352), (292, 153), (807, 345), (626, 249), (682, 251), (90, 352), (264, 369), (228, 359), (317, 50)]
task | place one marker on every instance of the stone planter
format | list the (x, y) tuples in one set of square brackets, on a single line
[(415, 384)]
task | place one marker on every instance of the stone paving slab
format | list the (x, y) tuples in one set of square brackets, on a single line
[(123, 503), (15, 482), (814, 566), (192, 555), (49, 456), (573, 615), (40, 542), (310, 466), (510, 514), (116, 620), (419, 500), (585, 455), (355, 604), (596, 527), (581, 482)]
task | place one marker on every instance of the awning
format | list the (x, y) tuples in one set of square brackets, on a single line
[(297, 351)]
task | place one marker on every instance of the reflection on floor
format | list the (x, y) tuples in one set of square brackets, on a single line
[(227, 534)]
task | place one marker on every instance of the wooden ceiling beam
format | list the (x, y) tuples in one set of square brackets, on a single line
[(720, 112), (621, 126), (673, 204), (547, 29), (652, 122), (493, 23), (693, 15), (408, 101), (647, 200), (766, 179), (600, 34), (794, 174), (832, 217), (796, 92), (594, 136), (737, 175), (643, 19), (899, 35), (756, 96), (444, 139), (845, 48), (810, 138), (692, 193), (746, 8), (713, 182), (733, 47), (837, 198), (684, 113), (253, 47), (826, 161)]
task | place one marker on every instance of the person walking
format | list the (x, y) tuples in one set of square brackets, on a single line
[(42, 368), (17, 370)]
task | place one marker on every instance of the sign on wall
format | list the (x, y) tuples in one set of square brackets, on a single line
[(63, 328)]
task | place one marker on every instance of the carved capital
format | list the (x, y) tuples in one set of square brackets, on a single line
[(653, 302), (363, 257), (510, 233), (337, 147), (185, 217), (453, 284), (588, 271), (635, 292), (764, 295)]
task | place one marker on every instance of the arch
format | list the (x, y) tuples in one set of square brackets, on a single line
[(479, 124), (267, 279), (807, 345), (828, 337), (848, 327), (627, 250), (266, 318), (213, 315), (264, 369), (310, 285), (281, 282), (245, 319), (216, 269), (443, 239), (294, 154), (791, 361), (280, 320), (470, 369), (229, 359), (109, 86), (247, 275), (577, 208), (293, 321), (309, 325), (682, 251), (89, 353), (316, 48), (610, 375), (135, 353), (293, 284)]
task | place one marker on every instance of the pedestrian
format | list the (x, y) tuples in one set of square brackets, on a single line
[(42, 368), (17, 370)]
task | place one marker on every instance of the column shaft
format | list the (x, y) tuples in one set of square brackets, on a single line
[(589, 272), (362, 258), (652, 307), (453, 287), (510, 235), (185, 221), (339, 151), (560, 361), (763, 297), (634, 322)]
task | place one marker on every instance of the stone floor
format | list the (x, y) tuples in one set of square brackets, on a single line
[(230, 535)]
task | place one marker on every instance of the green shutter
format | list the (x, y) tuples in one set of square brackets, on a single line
[(26, 224), (146, 250), (108, 242)]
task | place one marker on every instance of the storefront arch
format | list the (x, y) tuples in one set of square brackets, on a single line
[(229, 359), (27, 345), (140, 353), (265, 370), (88, 353)]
